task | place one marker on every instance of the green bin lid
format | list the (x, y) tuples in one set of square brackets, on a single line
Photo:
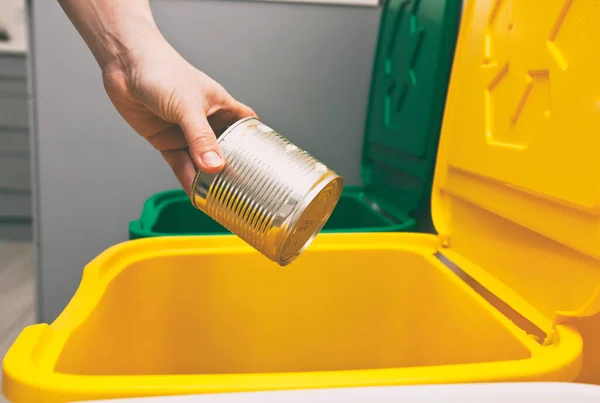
[(408, 93)]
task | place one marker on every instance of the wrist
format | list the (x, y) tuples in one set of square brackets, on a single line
[(123, 46)]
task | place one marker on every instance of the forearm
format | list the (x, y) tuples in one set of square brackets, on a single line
[(114, 30)]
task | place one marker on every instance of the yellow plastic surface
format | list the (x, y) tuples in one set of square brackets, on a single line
[(516, 202), (517, 189), (165, 316)]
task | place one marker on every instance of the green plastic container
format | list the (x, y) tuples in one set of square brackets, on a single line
[(171, 213), (408, 92)]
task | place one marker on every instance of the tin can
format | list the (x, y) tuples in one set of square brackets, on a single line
[(272, 194)]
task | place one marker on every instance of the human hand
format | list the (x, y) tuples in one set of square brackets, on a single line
[(175, 107)]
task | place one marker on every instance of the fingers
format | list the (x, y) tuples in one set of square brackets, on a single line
[(182, 166), (171, 138), (245, 111), (173, 143), (228, 115), (201, 141), (173, 146), (201, 138)]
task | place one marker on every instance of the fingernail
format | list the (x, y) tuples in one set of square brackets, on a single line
[(212, 159)]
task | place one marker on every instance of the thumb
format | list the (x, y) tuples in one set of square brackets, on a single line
[(202, 142)]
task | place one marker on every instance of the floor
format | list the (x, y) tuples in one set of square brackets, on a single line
[(17, 293)]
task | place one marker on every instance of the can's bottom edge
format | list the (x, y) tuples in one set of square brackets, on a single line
[(327, 180)]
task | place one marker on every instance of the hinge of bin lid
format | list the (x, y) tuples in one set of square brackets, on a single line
[(380, 210), (534, 331)]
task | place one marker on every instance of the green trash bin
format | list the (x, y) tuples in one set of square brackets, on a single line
[(408, 92)]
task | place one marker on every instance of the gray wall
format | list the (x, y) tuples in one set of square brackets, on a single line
[(305, 69)]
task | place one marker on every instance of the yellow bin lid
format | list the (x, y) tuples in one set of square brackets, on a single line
[(516, 196)]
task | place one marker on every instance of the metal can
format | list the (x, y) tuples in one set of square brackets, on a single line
[(272, 194)]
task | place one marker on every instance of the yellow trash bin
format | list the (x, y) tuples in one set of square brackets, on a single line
[(494, 297)]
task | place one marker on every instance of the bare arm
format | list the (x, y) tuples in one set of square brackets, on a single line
[(176, 107), (114, 30)]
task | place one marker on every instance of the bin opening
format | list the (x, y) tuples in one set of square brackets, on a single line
[(233, 313)]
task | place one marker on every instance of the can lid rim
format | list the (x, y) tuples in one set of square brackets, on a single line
[(299, 210)]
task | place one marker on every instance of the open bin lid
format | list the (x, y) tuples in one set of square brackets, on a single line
[(464, 393), (408, 91), (516, 196)]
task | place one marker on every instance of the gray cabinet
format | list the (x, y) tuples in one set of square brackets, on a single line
[(15, 177)]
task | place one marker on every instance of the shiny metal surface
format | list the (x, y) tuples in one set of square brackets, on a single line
[(272, 194)]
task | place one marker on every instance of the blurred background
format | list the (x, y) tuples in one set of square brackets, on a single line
[(17, 256), (73, 174)]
